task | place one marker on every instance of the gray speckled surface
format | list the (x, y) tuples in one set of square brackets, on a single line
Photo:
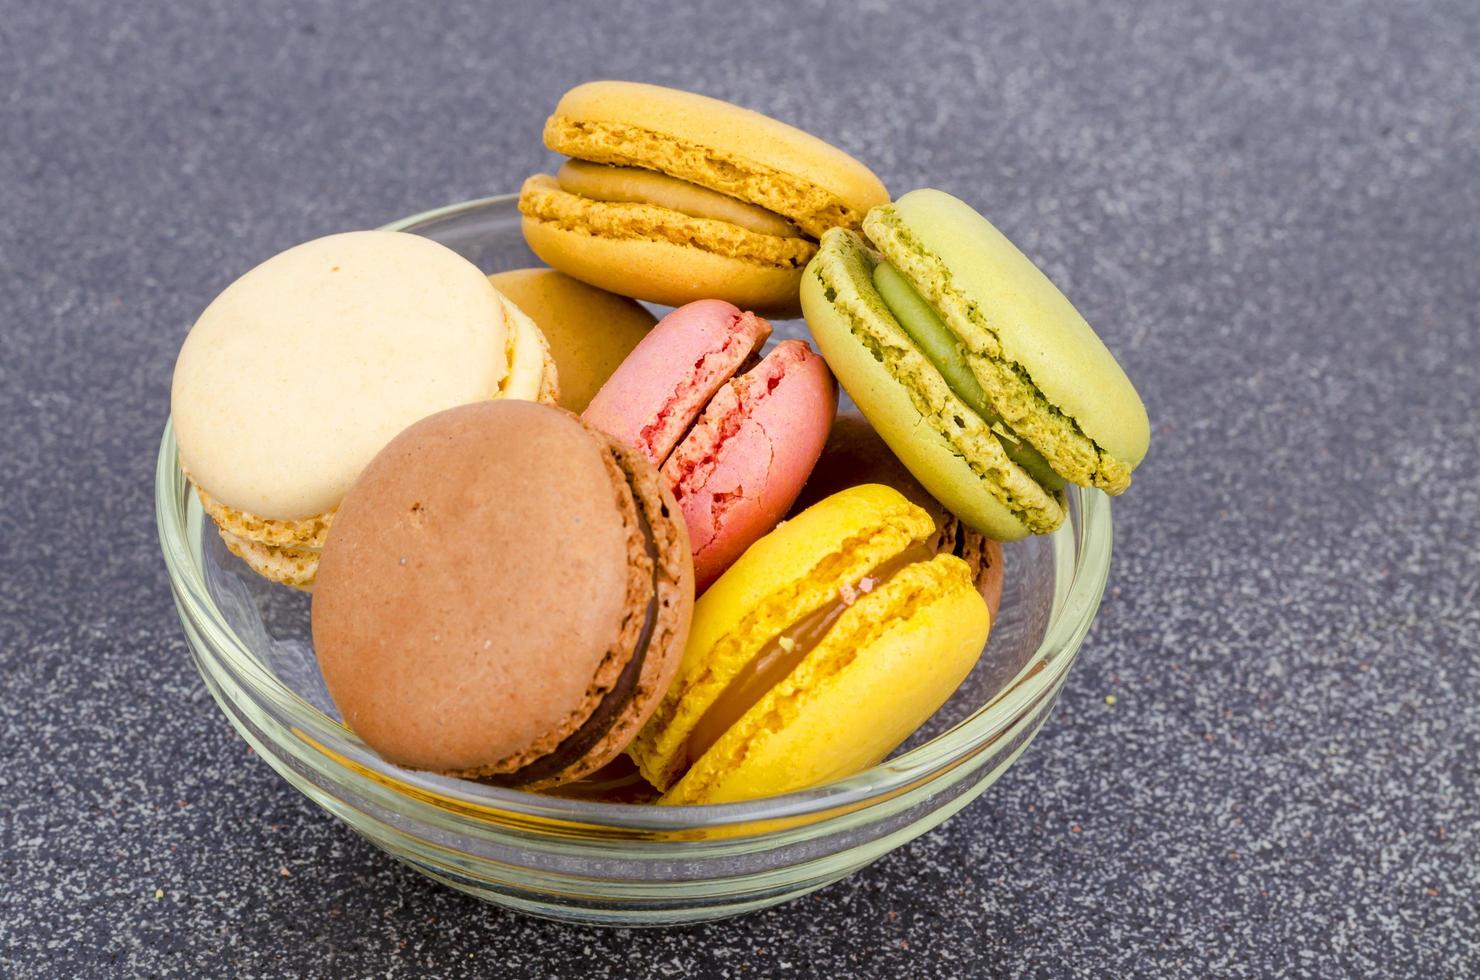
[(1272, 212)]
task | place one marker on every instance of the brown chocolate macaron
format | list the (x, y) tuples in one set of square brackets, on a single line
[(505, 594), (855, 454)]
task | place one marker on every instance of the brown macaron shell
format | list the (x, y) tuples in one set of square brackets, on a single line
[(484, 588)]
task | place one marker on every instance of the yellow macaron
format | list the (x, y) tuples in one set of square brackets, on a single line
[(819, 652), (590, 331), (672, 197)]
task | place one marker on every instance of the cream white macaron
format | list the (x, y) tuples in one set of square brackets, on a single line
[(305, 367)]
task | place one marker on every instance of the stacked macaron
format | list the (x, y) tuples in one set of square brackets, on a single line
[(673, 197), (548, 532)]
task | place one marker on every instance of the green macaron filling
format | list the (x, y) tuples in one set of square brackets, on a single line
[(941, 347)]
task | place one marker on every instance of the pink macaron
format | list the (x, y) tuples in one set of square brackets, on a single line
[(735, 445)]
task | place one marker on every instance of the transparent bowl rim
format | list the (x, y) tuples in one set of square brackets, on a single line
[(1070, 621)]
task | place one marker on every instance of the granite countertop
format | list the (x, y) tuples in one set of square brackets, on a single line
[(1271, 212)]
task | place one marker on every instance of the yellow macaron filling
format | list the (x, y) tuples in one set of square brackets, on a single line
[(634, 185)]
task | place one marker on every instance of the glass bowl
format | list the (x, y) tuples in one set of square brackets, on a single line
[(615, 863)]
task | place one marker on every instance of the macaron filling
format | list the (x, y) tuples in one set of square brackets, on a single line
[(941, 347), (544, 201), (634, 185), (780, 655)]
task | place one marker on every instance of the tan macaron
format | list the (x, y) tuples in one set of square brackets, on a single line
[(505, 593), (673, 197)]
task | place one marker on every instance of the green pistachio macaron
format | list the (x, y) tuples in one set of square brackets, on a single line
[(976, 370)]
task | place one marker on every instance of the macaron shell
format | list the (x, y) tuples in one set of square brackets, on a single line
[(790, 572), (305, 367), (741, 467), (888, 663), (285, 552), (1003, 304), (977, 494), (663, 385), (663, 271), (589, 330), (446, 583), (307, 533), (717, 145)]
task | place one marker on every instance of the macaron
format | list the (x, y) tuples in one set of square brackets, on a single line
[(855, 454), (301, 370), (589, 330), (979, 374), (735, 443), (672, 197), (831, 640), (504, 594)]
